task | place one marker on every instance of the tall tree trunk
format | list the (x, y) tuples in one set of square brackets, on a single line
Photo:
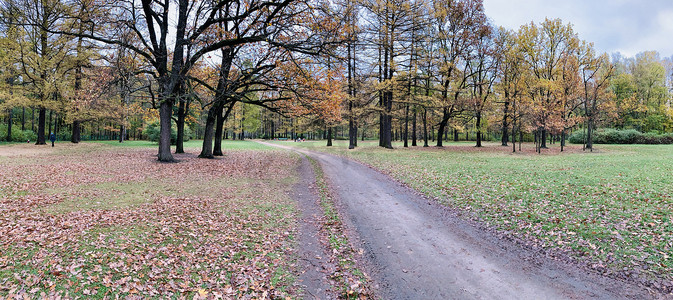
[(122, 133), (329, 136), (23, 118), (41, 138), (406, 126), (513, 136), (413, 128), (590, 131), (543, 139), (440, 131), (207, 146), (9, 125), (455, 135), (51, 113), (388, 130), (425, 127), (242, 136), (179, 140), (352, 127), (75, 136), (478, 130), (165, 116), (504, 123), (76, 132), (219, 128)]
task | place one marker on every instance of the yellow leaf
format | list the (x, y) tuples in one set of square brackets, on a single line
[(202, 292)]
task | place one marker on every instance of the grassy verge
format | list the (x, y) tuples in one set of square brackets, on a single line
[(352, 283), (611, 209), (113, 222)]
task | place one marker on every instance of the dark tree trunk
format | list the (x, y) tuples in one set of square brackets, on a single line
[(352, 125), (179, 141), (505, 135), (352, 134), (425, 127), (413, 128), (455, 135), (219, 127), (388, 130), (440, 131), (406, 126), (513, 138), (165, 116), (122, 133), (9, 125), (207, 146), (543, 139), (51, 113), (23, 118), (329, 137), (41, 138), (590, 137), (478, 130), (76, 132)]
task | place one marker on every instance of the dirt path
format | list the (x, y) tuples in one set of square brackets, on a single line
[(420, 250), (312, 257)]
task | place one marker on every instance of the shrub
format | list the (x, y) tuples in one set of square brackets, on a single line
[(152, 131), (18, 135), (628, 136)]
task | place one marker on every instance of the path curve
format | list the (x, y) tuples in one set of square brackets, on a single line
[(420, 250)]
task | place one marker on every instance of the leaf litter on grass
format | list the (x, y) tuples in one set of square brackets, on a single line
[(199, 228)]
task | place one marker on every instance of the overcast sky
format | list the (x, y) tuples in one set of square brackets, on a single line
[(625, 26)]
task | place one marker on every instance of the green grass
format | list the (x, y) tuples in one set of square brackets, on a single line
[(611, 208), (107, 195)]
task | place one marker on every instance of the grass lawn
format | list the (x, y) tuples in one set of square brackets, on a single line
[(105, 220), (611, 209)]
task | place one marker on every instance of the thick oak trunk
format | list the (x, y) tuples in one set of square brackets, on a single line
[(76, 132), (219, 127), (165, 114), (207, 147), (440, 131)]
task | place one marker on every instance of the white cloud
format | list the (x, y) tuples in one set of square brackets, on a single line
[(626, 26)]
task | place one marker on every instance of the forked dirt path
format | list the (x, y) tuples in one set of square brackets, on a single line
[(420, 250)]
